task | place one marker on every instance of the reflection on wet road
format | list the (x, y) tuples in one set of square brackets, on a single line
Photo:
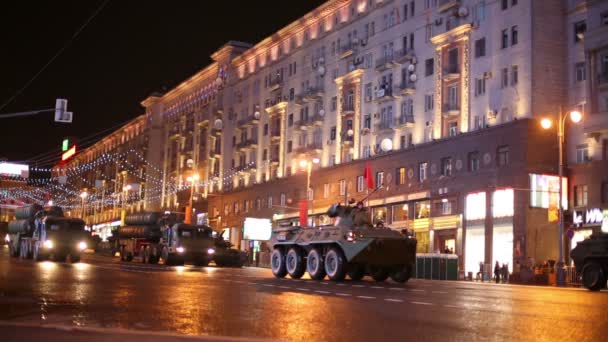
[(100, 292)]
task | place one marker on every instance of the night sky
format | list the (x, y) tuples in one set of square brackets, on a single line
[(130, 49)]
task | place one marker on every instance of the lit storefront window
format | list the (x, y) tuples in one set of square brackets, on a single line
[(379, 215), (502, 245), (544, 190), (502, 203), (325, 220), (400, 212), (422, 209), (476, 206), (475, 248)]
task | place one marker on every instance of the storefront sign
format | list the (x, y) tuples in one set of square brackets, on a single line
[(257, 229), (376, 202), (593, 216), (12, 169), (418, 195), (401, 198)]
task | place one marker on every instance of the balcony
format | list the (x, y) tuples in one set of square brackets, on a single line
[(451, 109), (274, 160), (310, 149), (248, 121), (275, 84), (216, 131), (406, 121), (385, 126), (347, 50), (407, 88), (275, 134), (316, 120), (445, 5), (452, 72), (404, 55), (386, 62), (348, 109), (346, 139), (217, 153), (247, 144), (602, 80), (385, 94), (314, 93)]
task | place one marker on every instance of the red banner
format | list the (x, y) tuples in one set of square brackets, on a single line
[(303, 213), (369, 179)]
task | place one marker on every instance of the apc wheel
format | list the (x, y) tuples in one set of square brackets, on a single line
[(402, 275), (335, 264), (356, 272), (23, 250), (294, 262), (314, 264), (37, 255), (277, 263), (378, 274), (594, 278)]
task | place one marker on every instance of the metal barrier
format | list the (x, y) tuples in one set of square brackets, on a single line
[(573, 278), (436, 266)]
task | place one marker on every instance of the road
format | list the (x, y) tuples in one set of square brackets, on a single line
[(106, 296)]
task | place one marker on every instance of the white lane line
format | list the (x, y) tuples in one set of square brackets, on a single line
[(366, 297), (358, 285), (324, 283), (421, 303), (341, 284), (415, 290), (269, 285), (302, 289), (322, 292), (393, 300), (343, 294), (396, 289), (376, 287), (284, 287), (440, 292), (452, 306)]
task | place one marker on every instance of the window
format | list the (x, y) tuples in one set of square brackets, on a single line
[(579, 72), (368, 61), (400, 212), (236, 207), (429, 66), (311, 194), (342, 187), (473, 161), (368, 92), (326, 190), (412, 40), (428, 32), (289, 146), (514, 37), (502, 155), (505, 39), (580, 195), (446, 167), (367, 121), (582, 153), (283, 199), (443, 207), (429, 102), (480, 47), (360, 183), (480, 86), (290, 120), (480, 11), (579, 30), (504, 78), (452, 128), (334, 104), (514, 75), (422, 171), (405, 12), (379, 178), (401, 175), (422, 209), (504, 5), (332, 133), (412, 3), (604, 18), (513, 3), (367, 151), (265, 129)]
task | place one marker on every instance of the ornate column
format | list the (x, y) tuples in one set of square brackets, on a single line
[(338, 149), (437, 120), (357, 118), (465, 81)]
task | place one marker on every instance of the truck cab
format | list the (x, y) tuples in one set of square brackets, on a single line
[(59, 237)]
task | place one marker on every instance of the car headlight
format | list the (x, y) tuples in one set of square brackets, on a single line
[(210, 251), (48, 244), (7, 238), (351, 236), (82, 245), (180, 249)]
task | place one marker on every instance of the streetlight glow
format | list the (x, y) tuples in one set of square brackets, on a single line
[(546, 123), (576, 116), (84, 195), (316, 160), (303, 163)]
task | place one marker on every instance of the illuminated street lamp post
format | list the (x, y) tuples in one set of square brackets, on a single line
[(305, 163), (192, 180), (125, 197), (546, 123), (83, 196)]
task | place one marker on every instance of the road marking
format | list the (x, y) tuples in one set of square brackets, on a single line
[(341, 284), (393, 300), (284, 287), (441, 292), (366, 297), (452, 306), (358, 285), (322, 292), (422, 303), (302, 289), (343, 294), (396, 289), (324, 283), (269, 285), (376, 287), (415, 290)]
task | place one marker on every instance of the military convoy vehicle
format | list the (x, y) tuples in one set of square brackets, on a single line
[(590, 256), (41, 234), (352, 246), (154, 236)]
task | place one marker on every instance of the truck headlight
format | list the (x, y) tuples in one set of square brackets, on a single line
[(210, 251), (351, 236), (48, 244), (82, 245), (180, 249), (7, 238)]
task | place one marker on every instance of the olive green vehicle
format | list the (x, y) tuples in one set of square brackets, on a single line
[(350, 247), (590, 256)]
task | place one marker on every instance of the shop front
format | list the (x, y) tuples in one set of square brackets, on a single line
[(586, 221), (256, 238)]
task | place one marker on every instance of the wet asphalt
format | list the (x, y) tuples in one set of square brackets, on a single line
[(103, 299)]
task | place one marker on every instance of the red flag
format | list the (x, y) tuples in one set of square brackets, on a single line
[(303, 213), (369, 179)]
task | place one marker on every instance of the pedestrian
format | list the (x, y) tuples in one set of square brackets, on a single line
[(480, 273), (497, 272)]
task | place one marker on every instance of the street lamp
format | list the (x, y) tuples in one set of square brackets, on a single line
[(125, 197), (306, 163), (546, 123), (83, 196), (191, 179)]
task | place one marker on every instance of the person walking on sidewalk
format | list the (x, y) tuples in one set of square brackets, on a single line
[(497, 270)]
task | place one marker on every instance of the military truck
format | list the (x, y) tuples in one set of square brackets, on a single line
[(41, 234), (154, 236), (352, 246), (590, 256)]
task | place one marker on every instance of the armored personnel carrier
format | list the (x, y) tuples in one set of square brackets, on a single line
[(590, 256), (351, 247)]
